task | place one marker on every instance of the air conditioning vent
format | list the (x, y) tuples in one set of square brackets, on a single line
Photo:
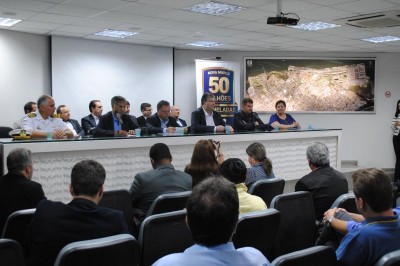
[(374, 20)]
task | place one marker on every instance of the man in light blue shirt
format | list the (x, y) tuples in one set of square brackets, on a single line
[(212, 215)]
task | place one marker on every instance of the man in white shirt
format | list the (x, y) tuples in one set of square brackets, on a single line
[(42, 123)]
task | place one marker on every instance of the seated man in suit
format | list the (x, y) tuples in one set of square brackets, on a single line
[(72, 124), (246, 119), (128, 110), (90, 122), (17, 190), (146, 110), (162, 122), (43, 124), (212, 215), (116, 122), (205, 119), (147, 186), (56, 224), (175, 114)]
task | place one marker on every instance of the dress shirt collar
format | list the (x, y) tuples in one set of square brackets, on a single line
[(199, 248)]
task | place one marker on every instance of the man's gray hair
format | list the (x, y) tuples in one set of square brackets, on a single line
[(43, 100), (318, 154), (18, 159)]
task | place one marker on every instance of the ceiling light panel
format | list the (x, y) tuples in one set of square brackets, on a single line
[(214, 8), (205, 44), (315, 26), (115, 33), (382, 39), (7, 22)]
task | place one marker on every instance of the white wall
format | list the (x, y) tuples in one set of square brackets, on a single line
[(24, 72), (367, 138)]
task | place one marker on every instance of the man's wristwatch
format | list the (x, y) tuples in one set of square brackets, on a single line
[(330, 219)]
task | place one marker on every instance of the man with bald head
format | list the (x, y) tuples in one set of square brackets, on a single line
[(175, 112), (42, 123)]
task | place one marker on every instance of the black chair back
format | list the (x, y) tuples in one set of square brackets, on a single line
[(390, 259), (17, 225), (297, 228), (163, 234), (120, 200), (118, 250), (11, 253), (267, 189), (169, 202), (314, 256), (257, 229), (4, 132), (347, 202)]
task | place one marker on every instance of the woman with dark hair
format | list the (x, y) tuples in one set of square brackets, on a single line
[(282, 120), (396, 142), (235, 170), (206, 158), (261, 166)]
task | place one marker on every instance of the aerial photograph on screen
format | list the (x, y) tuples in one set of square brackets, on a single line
[(311, 85)]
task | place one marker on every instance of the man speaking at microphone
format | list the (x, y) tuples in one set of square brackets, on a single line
[(116, 123), (246, 119)]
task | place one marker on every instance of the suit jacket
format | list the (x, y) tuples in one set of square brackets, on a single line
[(17, 193), (141, 121), (79, 130), (56, 224), (154, 123), (183, 122), (105, 128), (199, 124), (244, 122), (88, 124), (147, 186)]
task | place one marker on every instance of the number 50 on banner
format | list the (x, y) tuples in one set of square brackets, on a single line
[(219, 81)]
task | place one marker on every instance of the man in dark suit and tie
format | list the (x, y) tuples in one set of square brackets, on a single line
[(175, 111), (90, 122), (72, 124), (246, 119), (116, 123), (162, 122), (146, 110), (205, 119), (56, 224)]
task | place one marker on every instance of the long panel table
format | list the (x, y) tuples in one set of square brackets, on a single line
[(124, 157)]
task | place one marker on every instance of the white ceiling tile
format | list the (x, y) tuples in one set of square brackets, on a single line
[(52, 18), (96, 23), (37, 25), (173, 3), (219, 21), (16, 13), (77, 29), (69, 34), (182, 15), (142, 9), (26, 5), (249, 26), (76, 11), (365, 6), (30, 30), (97, 4), (250, 14), (148, 37)]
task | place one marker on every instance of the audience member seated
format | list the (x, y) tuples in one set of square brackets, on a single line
[(41, 123), (128, 110), (212, 215), (147, 186), (162, 122), (29, 107), (56, 224), (205, 119), (72, 124), (205, 162), (235, 170), (175, 112), (379, 233), (246, 119), (116, 122), (90, 122), (146, 110), (17, 190), (261, 166), (282, 120), (324, 183)]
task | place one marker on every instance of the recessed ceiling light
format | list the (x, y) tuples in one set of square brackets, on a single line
[(382, 39), (116, 33), (315, 26), (205, 44), (7, 22), (214, 8)]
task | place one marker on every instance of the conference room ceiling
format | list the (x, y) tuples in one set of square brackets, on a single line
[(166, 23)]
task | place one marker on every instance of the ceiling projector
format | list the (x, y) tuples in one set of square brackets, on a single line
[(282, 21)]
